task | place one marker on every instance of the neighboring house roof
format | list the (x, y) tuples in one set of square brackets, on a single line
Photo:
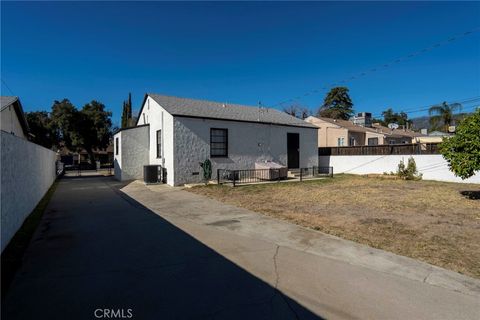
[(225, 111), (7, 101), (346, 124), (439, 134), (397, 133)]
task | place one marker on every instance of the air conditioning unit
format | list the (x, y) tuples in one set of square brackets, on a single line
[(152, 174)]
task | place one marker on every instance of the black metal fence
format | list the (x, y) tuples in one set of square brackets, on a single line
[(249, 176), (400, 149), (59, 168), (78, 168)]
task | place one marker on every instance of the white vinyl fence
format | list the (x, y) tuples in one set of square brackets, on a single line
[(432, 166), (27, 172)]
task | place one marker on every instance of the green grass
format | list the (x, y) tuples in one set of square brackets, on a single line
[(13, 254)]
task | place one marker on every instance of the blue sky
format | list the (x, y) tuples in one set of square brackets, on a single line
[(238, 52)]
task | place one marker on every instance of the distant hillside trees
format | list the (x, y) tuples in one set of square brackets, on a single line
[(337, 104), (462, 151)]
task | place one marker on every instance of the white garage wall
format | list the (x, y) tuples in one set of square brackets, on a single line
[(247, 143), (133, 153), (159, 119), (433, 167), (27, 172)]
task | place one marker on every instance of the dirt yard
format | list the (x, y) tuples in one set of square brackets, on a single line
[(435, 222)]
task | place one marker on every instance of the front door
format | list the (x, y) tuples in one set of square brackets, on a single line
[(293, 150)]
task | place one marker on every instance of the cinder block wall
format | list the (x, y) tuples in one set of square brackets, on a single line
[(27, 172)]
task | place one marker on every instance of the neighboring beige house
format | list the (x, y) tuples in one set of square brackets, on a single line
[(12, 117), (397, 136), (343, 133)]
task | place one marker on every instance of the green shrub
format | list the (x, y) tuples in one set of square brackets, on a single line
[(410, 171)]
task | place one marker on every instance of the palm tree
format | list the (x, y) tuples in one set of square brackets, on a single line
[(443, 113)]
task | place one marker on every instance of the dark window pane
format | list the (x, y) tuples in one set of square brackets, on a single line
[(159, 143), (218, 142)]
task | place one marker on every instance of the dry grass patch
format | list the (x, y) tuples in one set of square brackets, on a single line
[(431, 221)]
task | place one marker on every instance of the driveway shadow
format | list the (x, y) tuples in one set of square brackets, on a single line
[(97, 248)]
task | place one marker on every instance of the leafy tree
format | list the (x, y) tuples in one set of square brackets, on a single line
[(94, 127), (65, 119), (389, 116), (297, 111), (443, 113), (127, 112), (337, 104), (90, 128), (462, 151), (42, 128)]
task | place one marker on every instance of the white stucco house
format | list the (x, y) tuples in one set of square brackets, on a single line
[(178, 133)]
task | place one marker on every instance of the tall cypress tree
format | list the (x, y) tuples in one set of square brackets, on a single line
[(127, 112), (124, 116)]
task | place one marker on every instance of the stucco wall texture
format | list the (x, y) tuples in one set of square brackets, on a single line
[(133, 153), (433, 167), (247, 143), (27, 172), (9, 122)]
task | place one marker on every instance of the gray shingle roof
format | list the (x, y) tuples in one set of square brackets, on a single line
[(225, 111), (5, 101)]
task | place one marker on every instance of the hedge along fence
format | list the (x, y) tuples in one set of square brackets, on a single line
[(27, 172)]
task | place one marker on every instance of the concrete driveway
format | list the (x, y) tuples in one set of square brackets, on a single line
[(165, 253)]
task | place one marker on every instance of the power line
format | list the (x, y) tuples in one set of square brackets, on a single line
[(8, 88), (426, 108), (382, 66)]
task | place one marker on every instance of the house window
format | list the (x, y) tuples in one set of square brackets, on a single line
[(341, 142), (116, 146), (218, 142), (159, 143), (372, 141), (352, 141)]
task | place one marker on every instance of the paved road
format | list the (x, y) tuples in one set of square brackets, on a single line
[(168, 254)]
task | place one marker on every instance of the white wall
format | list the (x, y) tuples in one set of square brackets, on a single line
[(27, 172), (159, 119), (133, 153), (10, 123), (433, 167), (247, 143)]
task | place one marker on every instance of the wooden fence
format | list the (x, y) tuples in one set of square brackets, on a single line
[(401, 149)]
